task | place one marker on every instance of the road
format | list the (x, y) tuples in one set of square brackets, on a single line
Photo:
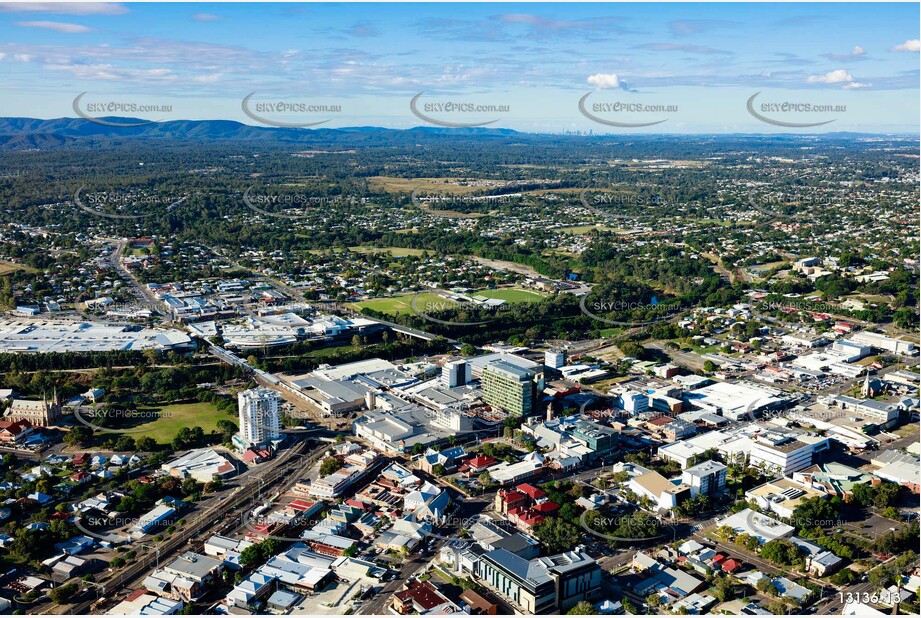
[(219, 506), (140, 291)]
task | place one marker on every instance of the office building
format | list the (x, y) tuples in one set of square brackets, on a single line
[(511, 388), (548, 585)]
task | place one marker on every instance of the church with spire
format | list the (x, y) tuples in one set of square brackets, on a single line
[(39, 413)]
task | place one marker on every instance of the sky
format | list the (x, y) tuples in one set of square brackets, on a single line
[(539, 67)]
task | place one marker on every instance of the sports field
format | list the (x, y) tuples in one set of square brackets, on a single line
[(171, 418)]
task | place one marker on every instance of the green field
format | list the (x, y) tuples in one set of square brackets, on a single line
[(395, 251), (511, 295), (401, 304), (174, 417), (429, 301)]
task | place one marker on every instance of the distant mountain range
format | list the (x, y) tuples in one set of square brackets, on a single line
[(18, 133), (32, 133)]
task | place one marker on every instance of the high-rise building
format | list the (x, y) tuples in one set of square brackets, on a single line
[(455, 373), (260, 419), (511, 388)]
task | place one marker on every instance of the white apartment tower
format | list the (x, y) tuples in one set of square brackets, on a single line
[(260, 419)]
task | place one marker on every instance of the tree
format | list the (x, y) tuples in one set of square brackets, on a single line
[(777, 608), (145, 444), (709, 366), (329, 466), (726, 533), (78, 436), (887, 495), (63, 593), (557, 535), (582, 608), (782, 552), (765, 586), (125, 443), (748, 542), (862, 494), (724, 588)]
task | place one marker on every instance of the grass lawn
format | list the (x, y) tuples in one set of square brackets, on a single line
[(511, 295), (175, 416), (401, 304), (584, 229), (392, 184), (395, 251), (8, 267), (429, 301)]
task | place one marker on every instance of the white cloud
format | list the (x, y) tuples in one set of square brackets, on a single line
[(205, 17), (911, 45), (65, 8), (838, 76), (207, 79), (859, 51), (604, 80), (22, 57), (57, 26)]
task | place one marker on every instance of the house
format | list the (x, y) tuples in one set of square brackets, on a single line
[(477, 465), (671, 584), (14, 433), (142, 603), (789, 589), (447, 459), (418, 597)]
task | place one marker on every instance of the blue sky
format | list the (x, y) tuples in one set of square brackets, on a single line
[(696, 64)]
